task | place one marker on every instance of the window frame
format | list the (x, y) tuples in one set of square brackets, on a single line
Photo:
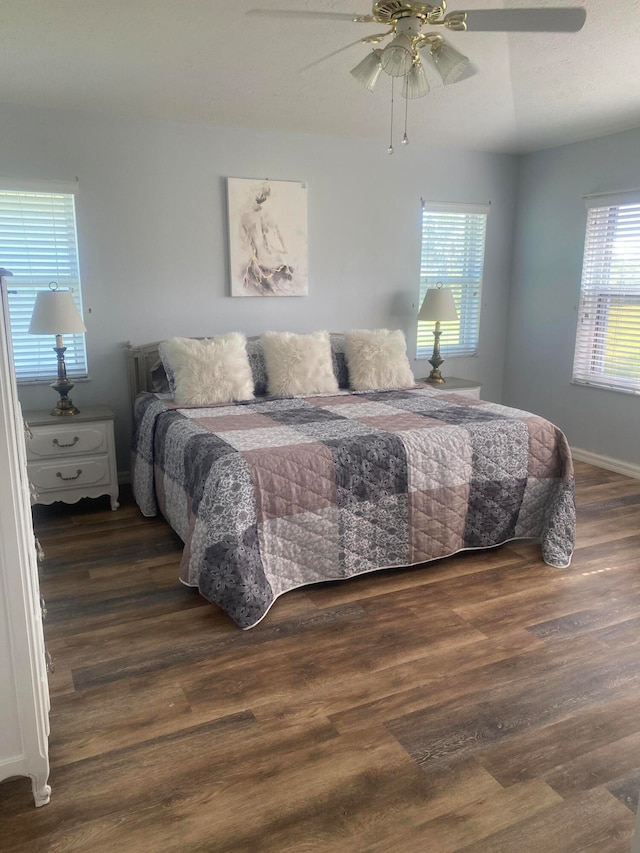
[(611, 218), (466, 283), (35, 262)]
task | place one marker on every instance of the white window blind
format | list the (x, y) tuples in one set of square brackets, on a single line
[(38, 245), (607, 352), (453, 243)]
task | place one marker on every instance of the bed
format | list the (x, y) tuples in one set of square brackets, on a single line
[(271, 494)]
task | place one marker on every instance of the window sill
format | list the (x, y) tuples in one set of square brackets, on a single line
[(599, 387)]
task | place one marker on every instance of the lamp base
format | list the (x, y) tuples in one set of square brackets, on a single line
[(435, 361), (435, 377), (64, 406)]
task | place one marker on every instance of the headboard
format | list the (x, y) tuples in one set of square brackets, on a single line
[(141, 362)]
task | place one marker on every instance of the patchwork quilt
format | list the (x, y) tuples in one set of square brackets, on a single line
[(273, 494)]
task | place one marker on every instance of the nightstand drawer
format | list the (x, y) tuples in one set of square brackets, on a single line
[(66, 440), (70, 473)]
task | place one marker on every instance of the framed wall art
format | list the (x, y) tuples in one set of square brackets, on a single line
[(267, 237)]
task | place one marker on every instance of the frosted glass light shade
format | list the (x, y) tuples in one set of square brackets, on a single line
[(438, 304), (55, 313), (449, 62), (397, 57), (416, 85), (368, 71)]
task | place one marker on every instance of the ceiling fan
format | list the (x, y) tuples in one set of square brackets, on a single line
[(406, 20)]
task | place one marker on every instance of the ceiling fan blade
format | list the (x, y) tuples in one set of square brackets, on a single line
[(327, 16), (330, 55), (567, 20)]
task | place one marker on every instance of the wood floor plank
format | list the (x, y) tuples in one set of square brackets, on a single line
[(477, 704), (441, 733), (575, 753), (479, 819), (569, 593), (519, 669), (613, 765), (594, 822), (384, 693)]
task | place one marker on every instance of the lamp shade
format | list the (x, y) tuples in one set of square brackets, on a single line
[(438, 304), (368, 71), (397, 56), (449, 62), (416, 85), (55, 313)]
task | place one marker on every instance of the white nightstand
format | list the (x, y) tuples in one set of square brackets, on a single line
[(467, 387), (72, 457)]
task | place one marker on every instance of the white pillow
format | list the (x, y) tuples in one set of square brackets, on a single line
[(377, 360), (298, 365), (208, 371)]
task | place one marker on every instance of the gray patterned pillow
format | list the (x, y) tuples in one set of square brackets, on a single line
[(258, 366), (171, 379), (339, 359)]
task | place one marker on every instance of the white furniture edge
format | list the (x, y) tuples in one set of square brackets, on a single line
[(20, 598)]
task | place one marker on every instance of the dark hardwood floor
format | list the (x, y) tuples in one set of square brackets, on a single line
[(484, 703)]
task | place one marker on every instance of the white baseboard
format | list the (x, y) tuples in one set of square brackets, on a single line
[(629, 469)]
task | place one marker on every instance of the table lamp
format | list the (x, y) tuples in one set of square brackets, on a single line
[(437, 305), (55, 313)]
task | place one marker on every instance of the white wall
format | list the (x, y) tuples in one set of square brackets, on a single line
[(545, 293), (153, 234)]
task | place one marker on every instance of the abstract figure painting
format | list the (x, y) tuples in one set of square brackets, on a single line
[(267, 237)]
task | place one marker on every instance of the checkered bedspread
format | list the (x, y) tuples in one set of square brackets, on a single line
[(278, 493)]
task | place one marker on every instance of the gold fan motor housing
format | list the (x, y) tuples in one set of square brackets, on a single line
[(390, 11)]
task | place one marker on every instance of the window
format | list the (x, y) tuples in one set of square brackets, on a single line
[(38, 245), (607, 350), (453, 241)]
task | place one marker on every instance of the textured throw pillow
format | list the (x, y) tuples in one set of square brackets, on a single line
[(377, 360), (208, 371), (298, 365)]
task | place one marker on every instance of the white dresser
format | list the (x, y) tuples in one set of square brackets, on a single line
[(72, 457), (24, 693)]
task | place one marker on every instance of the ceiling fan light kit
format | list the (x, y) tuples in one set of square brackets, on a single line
[(368, 71), (397, 57), (449, 62), (416, 84), (402, 56)]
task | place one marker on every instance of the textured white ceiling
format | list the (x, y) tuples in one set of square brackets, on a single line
[(206, 60)]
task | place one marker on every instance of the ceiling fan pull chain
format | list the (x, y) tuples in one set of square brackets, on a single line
[(405, 138), (390, 148)]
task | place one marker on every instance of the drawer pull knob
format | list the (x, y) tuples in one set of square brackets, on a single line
[(75, 476), (76, 439)]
